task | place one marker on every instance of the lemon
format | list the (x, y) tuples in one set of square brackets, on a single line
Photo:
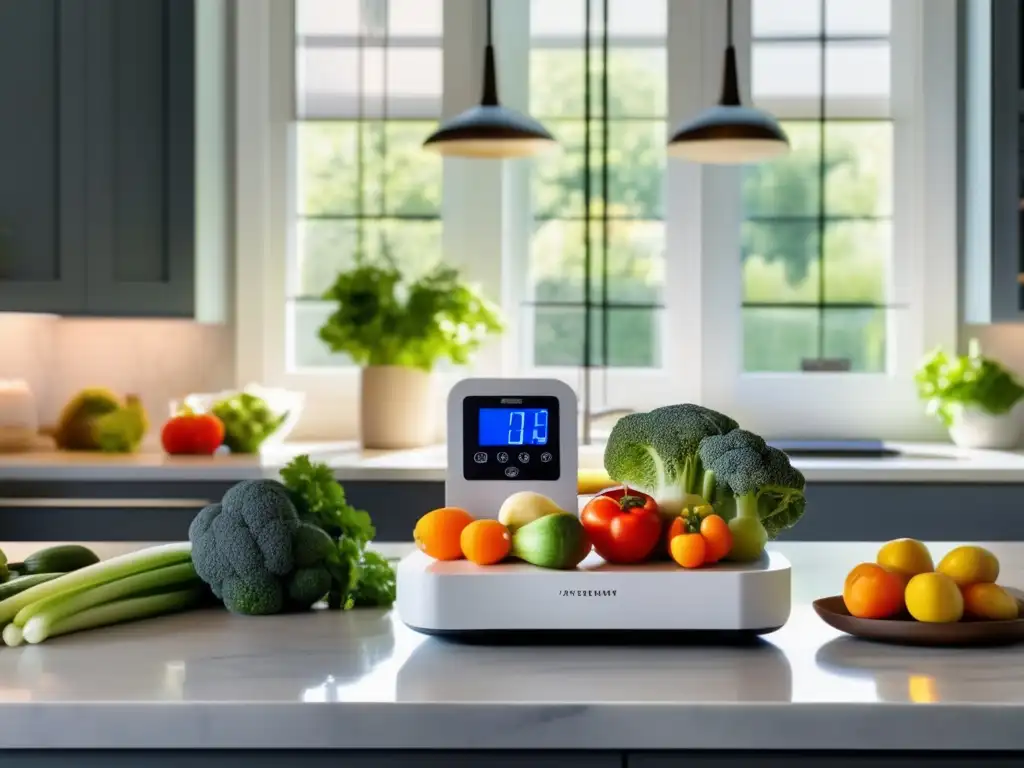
[(989, 601), (934, 598), (970, 565), (906, 557)]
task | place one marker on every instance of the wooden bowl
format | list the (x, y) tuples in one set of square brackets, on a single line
[(903, 630)]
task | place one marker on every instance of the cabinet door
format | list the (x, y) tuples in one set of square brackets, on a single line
[(42, 172), (140, 168)]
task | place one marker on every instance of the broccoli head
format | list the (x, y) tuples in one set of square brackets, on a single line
[(745, 477), (256, 555), (656, 452)]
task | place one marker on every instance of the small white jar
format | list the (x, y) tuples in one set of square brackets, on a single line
[(19, 419)]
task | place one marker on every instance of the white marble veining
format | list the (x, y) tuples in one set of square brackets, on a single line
[(362, 680), (921, 463)]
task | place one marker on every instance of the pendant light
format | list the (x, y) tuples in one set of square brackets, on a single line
[(490, 131), (729, 133)]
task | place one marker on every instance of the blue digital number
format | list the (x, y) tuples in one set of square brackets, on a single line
[(515, 434), (540, 427)]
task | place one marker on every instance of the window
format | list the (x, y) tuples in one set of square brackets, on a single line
[(845, 248), (597, 251), (717, 285), (368, 90), (817, 231)]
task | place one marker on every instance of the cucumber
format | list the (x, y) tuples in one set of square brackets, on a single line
[(60, 559), (20, 584)]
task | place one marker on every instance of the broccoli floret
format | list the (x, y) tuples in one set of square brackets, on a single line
[(656, 452), (308, 585), (741, 469), (255, 554)]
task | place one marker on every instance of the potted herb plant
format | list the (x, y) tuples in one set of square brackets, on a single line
[(397, 330), (976, 398)]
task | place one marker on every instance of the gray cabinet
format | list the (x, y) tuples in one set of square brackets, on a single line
[(42, 155), (312, 758), (139, 147), (816, 759), (992, 152), (98, 134)]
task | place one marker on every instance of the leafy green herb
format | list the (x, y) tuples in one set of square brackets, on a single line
[(376, 581), (383, 319), (948, 383), (358, 577), (320, 499)]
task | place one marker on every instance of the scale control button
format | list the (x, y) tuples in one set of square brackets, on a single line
[(511, 471), (524, 458), (480, 457), (503, 457), (546, 457)]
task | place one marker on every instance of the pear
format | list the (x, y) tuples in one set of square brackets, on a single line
[(524, 507)]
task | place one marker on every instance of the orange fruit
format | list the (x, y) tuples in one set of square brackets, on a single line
[(872, 592), (438, 533), (485, 542)]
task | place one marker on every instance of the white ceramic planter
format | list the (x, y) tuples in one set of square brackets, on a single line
[(396, 407), (975, 428)]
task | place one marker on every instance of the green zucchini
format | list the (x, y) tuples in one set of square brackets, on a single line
[(60, 559), (20, 584)]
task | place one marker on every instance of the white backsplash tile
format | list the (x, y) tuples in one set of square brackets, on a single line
[(27, 352), (162, 360), (159, 360)]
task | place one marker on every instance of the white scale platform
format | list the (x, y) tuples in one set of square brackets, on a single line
[(469, 602), (462, 600)]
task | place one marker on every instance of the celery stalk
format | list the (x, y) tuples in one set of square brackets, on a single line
[(63, 604), (100, 573), (117, 612)]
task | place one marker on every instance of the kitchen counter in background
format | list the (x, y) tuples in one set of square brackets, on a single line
[(932, 491), (920, 463), (362, 681)]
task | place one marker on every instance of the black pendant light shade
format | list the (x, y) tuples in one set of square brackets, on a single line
[(490, 130), (729, 133)]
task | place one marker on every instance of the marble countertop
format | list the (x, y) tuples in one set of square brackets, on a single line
[(921, 463), (362, 680)]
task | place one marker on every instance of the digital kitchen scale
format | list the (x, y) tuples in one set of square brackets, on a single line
[(509, 435)]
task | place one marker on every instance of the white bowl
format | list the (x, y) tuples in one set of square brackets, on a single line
[(279, 401)]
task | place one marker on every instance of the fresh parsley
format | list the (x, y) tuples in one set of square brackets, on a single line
[(359, 578)]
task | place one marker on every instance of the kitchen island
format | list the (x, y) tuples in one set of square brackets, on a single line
[(309, 685)]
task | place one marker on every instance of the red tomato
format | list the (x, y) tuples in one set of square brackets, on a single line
[(196, 434), (623, 530), (620, 491)]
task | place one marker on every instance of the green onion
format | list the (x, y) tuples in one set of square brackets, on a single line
[(117, 612), (64, 604), (101, 573), (12, 635)]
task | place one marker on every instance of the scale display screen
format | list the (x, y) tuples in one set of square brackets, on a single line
[(513, 426), (510, 438)]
